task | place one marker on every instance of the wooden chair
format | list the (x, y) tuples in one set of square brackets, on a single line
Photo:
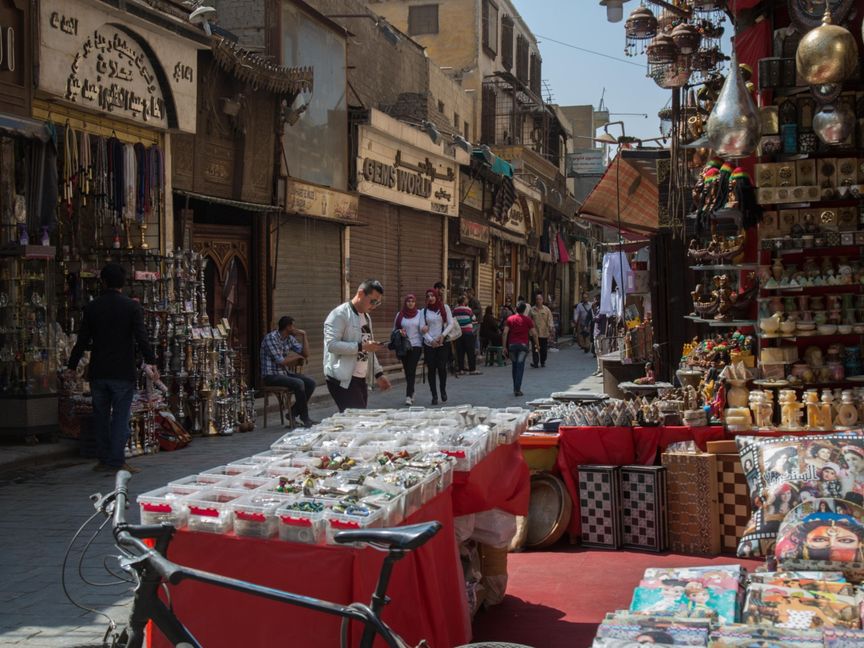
[(285, 400)]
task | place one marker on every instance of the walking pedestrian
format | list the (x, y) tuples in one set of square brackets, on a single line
[(465, 345), (506, 310), (455, 332), (112, 326), (600, 339), (490, 330), (435, 327), (583, 320), (407, 322), (283, 352), (519, 329), (544, 326), (350, 347)]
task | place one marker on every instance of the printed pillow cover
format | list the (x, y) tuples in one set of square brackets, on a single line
[(782, 473)]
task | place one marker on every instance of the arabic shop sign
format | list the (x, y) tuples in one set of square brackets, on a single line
[(406, 176), (320, 202), (98, 63)]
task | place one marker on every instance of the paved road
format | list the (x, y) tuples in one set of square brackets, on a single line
[(41, 509)]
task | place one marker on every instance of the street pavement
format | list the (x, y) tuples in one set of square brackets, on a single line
[(43, 505)]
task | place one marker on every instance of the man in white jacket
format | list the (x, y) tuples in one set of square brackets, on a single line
[(349, 348)]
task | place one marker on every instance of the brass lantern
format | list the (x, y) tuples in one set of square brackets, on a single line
[(661, 49), (834, 123), (687, 38), (827, 54), (640, 26), (733, 126)]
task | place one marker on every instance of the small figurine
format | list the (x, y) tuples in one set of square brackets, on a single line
[(648, 378), (790, 410)]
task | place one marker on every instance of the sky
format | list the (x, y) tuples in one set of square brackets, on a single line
[(577, 78)]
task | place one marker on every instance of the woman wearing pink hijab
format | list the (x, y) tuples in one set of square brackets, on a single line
[(435, 326), (408, 324)]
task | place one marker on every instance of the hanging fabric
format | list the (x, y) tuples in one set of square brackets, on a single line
[(141, 181), (130, 180), (116, 177), (616, 271), (563, 254)]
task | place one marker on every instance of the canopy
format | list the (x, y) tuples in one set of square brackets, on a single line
[(631, 178)]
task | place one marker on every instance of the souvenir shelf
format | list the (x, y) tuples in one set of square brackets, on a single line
[(28, 362)]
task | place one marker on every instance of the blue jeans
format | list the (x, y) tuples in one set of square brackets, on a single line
[(112, 400), (518, 355)]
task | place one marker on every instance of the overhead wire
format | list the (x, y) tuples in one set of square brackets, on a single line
[(590, 51)]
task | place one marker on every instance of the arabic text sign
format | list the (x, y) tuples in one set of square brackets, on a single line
[(310, 200), (585, 162), (392, 170), (96, 63)]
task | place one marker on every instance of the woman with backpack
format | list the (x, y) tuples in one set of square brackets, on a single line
[(435, 326), (407, 342)]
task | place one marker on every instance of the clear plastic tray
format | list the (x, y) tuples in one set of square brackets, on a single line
[(166, 504), (255, 513), (300, 526), (233, 470), (249, 483), (336, 522), (203, 480), (392, 507), (210, 509)]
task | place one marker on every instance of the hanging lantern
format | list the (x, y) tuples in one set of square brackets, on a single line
[(641, 25), (833, 124), (706, 6), (667, 22), (661, 50), (665, 116), (827, 54), (733, 126), (670, 75), (687, 38)]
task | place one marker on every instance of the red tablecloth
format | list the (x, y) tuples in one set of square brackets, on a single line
[(427, 588), (502, 480), (617, 446)]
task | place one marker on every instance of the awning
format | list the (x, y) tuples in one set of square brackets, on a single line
[(24, 127), (507, 236), (238, 204), (631, 178)]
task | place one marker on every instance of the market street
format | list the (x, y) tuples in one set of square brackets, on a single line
[(42, 509)]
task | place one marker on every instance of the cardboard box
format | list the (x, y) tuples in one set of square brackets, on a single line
[(726, 446), (694, 518)]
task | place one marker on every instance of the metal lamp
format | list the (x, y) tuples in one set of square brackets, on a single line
[(614, 9)]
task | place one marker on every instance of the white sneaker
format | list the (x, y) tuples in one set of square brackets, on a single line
[(409, 400)]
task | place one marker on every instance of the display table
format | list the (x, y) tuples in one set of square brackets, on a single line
[(616, 371), (618, 446), (427, 591)]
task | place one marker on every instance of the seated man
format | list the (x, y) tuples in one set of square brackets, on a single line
[(282, 351)]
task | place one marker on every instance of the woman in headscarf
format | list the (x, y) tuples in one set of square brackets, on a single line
[(435, 326), (490, 332), (407, 322)]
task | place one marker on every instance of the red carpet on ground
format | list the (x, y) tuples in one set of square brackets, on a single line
[(557, 597)]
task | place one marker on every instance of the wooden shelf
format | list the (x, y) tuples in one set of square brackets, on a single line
[(738, 267), (721, 323)]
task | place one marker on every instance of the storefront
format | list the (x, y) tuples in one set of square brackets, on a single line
[(409, 192), (475, 234), (307, 248)]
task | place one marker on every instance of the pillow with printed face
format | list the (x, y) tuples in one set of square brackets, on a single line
[(824, 533), (784, 472)]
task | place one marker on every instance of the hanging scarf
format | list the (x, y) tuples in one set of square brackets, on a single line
[(116, 177), (438, 306), (155, 181), (141, 178), (129, 186)]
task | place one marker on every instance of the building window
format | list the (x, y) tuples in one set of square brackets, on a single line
[(507, 43), (423, 19), (490, 27), (465, 133), (536, 81), (440, 106), (456, 121), (522, 59)]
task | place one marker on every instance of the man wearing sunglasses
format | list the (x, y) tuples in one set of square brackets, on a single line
[(350, 347)]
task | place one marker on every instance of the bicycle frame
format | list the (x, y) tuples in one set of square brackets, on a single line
[(153, 568)]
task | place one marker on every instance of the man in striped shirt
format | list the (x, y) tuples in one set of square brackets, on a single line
[(465, 345)]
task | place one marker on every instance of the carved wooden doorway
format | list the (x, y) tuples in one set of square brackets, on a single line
[(227, 282)]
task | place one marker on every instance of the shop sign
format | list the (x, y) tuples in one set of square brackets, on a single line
[(473, 232), (400, 173), (472, 193), (585, 162), (93, 60), (320, 202)]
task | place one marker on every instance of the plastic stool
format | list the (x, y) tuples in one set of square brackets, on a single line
[(495, 355)]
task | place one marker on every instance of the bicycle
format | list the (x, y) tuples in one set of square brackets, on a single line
[(151, 570)]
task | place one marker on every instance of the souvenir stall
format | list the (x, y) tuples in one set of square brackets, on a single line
[(271, 518), (113, 202)]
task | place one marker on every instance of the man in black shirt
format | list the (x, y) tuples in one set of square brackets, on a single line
[(111, 327)]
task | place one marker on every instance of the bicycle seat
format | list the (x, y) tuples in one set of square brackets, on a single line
[(404, 537)]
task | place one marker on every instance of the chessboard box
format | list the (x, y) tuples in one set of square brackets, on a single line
[(600, 506), (735, 506), (644, 522), (693, 504)]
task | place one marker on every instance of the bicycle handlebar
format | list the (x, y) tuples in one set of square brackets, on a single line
[(164, 567)]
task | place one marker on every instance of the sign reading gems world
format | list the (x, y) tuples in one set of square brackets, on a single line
[(111, 73)]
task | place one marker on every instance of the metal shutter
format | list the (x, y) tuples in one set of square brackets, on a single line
[(486, 286), (309, 280), (421, 252)]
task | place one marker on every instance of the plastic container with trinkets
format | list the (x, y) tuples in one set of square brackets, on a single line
[(210, 509), (166, 504), (301, 520), (351, 517), (255, 513)]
